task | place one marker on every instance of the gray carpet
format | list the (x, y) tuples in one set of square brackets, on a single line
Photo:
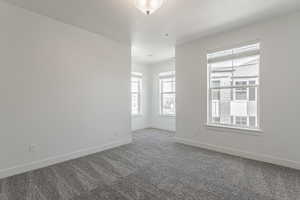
[(154, 168)]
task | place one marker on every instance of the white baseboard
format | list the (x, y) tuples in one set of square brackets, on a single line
[(248, 155), (151, 127), (58, 159), (138, 129), (162, 129)]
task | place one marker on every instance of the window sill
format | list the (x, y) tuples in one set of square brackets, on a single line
[(137, 115), (249, 131), (168, 116)]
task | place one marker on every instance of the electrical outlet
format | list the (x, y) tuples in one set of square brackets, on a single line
[(32, 148)]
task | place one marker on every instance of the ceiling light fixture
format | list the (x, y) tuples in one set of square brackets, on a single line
[(148, 6)]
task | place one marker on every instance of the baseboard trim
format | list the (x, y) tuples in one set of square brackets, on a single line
[(161, 129), (248, 155), (59, 159)]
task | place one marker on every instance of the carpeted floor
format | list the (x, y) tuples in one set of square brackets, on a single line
[(153, 167)]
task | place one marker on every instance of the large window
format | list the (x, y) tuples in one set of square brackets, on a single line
[(136, 90), (233, 85), (167, 90)]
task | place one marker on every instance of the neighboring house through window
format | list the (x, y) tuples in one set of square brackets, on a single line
[(233, 85), (241, 121), (136, 93), (167, 93), (241, 90)]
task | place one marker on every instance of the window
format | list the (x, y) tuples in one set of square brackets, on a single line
[(167, 90), (252, 91), (136, 89), (241, 121), (252, 121), (233, 84), (216, 93), (241, 91), (216, 119)]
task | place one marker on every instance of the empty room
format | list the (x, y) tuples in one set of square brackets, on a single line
[(149, 100)]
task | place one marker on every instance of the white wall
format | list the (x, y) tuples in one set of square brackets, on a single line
[(279, 142), (158, 121), (63, 89), (142, 121)]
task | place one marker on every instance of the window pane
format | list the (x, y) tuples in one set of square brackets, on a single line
[(135, 103), (252, 121), (215, 94), (215, 109), (216, 120), (227, 110), (252, 91), (241, 93), (167, 93), (216, 83), (238, 69), (136, 86), (234, 83), (168, 104), (246, 67), (221, 108), (241, 121), (168, 85)]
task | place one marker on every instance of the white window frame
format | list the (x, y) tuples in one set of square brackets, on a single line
[(220, 126), (139, 77), (162, 76)]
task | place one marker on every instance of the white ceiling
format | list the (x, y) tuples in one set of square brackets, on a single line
[(183, 20)]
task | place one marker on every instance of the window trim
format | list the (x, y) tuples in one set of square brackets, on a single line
[(165, 75), (225, 127)]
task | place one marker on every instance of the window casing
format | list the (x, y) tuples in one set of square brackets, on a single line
[(233, 85), (136, 93), (167, 93)]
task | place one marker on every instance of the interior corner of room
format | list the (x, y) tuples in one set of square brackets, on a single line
[(151, 107)]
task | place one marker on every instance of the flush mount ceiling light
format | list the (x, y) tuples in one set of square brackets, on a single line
[(148, 6)]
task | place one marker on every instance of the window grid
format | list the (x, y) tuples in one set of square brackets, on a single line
[(241, 121), (167, 90), (136, 90), (233, 85)]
